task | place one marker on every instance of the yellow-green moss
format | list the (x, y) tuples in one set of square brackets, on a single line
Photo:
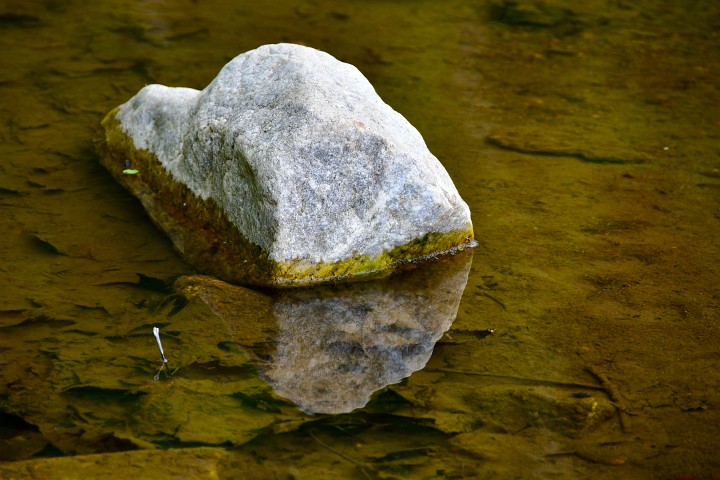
[(430, 245), (205, 237)]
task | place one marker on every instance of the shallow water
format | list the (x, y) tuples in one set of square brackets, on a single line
[(585, 344)]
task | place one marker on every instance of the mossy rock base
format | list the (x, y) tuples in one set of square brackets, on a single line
[(206, 239)]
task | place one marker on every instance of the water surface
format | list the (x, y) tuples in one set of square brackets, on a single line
[(583, 137)]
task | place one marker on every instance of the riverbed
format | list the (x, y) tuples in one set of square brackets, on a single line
[(579, 339)]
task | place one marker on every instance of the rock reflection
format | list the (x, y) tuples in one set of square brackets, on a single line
[(337, 345)]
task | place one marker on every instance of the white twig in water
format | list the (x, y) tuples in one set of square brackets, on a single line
[(156, 332), (164, 364)]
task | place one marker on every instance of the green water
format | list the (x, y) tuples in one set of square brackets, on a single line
[(583, 137)]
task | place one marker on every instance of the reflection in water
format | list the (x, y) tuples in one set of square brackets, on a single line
[(337, 345)]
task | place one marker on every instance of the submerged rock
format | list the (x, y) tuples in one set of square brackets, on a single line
[(286, 169)]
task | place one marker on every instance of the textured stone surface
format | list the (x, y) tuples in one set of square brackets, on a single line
[(287, 169)]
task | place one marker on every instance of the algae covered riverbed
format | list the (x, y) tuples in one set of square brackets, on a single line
[(580, 339)]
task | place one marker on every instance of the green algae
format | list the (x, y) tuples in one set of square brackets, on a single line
[(204, 236), (365, 267)]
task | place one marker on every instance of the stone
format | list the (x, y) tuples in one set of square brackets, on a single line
[(287, 169)]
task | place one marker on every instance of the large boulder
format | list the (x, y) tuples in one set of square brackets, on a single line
[(287, 169)]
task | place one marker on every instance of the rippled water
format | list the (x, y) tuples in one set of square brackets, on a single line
[(579, 340)]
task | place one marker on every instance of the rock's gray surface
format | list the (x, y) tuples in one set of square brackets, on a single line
[(298, 153)]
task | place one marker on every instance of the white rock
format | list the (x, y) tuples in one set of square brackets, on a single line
[(305, 160)]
